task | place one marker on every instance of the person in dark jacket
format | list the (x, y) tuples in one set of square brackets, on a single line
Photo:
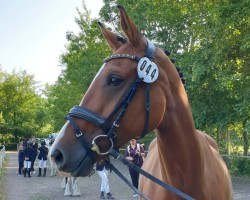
[(42, 157), (20, 160), (25, 143), (28, 155), (135, 154), (101, 168), (35, 147)]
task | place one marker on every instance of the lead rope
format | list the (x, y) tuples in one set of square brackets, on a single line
[(166, 186)]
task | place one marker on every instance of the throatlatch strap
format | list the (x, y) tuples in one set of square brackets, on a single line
[(145, 129)]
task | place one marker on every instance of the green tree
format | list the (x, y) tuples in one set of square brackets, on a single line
[(211, 42), (23, 110), (218, 75), (80, 62)]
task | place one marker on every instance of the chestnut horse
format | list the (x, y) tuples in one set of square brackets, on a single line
[(113, 110)]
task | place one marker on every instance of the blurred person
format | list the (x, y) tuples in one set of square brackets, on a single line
[(28, 155), (35, 147), (20, 159), (135, 153), (102, 170), (42, 157)]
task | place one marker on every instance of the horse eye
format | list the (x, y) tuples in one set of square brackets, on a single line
[(114, 80)]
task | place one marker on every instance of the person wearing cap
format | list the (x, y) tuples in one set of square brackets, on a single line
[(135, 153), (42, 157), (28, 155)]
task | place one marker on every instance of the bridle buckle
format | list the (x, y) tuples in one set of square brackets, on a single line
[(79, 133), (115, 124)]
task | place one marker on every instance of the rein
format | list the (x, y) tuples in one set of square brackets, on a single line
[(147, 72), (166, 186)]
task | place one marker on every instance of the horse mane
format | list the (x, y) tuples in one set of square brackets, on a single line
[(173, 60)]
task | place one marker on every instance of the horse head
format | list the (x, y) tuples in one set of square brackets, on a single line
[(126, 99)]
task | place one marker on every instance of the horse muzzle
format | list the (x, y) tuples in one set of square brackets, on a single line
[(73, 162)]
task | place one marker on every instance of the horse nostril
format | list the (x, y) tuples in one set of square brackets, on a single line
[(57, 156)]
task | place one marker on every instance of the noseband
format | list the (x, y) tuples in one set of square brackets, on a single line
[(148, 73)]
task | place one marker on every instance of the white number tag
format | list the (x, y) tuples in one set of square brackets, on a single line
[(147, 70)]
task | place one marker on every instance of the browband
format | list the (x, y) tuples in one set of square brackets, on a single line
[(116, 56), (149, 53)]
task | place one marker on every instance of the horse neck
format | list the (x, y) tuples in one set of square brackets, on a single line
[(178, 144)]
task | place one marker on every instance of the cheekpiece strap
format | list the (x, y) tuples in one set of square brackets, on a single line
[(118, 56)]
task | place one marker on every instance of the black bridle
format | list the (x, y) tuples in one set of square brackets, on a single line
[(119, 111)]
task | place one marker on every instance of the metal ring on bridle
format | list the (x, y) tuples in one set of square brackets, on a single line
[(95, 147)]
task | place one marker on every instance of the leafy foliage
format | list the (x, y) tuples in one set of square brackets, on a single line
[(81, 61), (210, 41), (22, 110)]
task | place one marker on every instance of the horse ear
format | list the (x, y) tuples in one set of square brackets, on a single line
[(129, 28), (110, 37)]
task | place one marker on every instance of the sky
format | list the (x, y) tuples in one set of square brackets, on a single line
[(32, 34)]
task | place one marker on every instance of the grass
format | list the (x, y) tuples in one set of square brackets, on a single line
[(3, 191)]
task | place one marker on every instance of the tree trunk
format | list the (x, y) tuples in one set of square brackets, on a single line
[(229, 142), (218, 136), (245, 139)]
